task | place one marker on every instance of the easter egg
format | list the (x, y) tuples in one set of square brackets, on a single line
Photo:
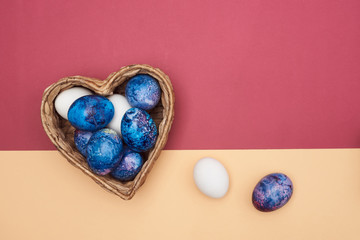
[(272, 192), (143, 91), (138, 130), (64, 100), (81, 139), (104, 151), (129, 166), (91, 113), (121, 105), (211, 177)]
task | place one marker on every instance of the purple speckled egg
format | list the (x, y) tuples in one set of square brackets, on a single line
[(143, 91), (104, 151), (129, 166), (272, 192), (138, 130), (81, 139), (91, 113)]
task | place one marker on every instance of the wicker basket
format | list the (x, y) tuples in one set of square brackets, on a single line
[(61, 133)]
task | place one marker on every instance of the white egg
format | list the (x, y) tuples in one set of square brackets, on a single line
[(121, 105), (64, 100), (211, 177)]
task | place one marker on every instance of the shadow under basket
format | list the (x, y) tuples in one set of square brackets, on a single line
[(61, 133)]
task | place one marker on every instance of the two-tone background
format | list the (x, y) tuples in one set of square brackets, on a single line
[(263, 86)]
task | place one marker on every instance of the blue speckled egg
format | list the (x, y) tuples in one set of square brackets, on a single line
[(272, 192), (138, 130), (81, 139), (91, 113), (104, 151), (129, 166), (143, 91)]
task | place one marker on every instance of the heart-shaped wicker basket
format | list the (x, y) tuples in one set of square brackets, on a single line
[(61, 133)]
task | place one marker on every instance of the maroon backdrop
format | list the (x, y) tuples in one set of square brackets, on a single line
[(246, 74)]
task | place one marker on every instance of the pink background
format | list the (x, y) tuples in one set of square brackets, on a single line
[(247, 74)]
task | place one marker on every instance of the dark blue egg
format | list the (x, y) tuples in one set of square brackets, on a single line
[(81, 139), (91, 113), (143, 91), (104, 151), (272, 192), (129, 166), (138, 130)]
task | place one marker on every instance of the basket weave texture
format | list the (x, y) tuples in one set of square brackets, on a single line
[(61, 133)]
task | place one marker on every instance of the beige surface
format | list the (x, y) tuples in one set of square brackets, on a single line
[(44, 197)]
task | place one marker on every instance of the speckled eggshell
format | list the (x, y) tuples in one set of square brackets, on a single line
[(272, 192), (91, 113), (138, 130), (121, 105), (211, 177), (81, 139), (64, 100), (104, 151), (129, 166), (143, 91)]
